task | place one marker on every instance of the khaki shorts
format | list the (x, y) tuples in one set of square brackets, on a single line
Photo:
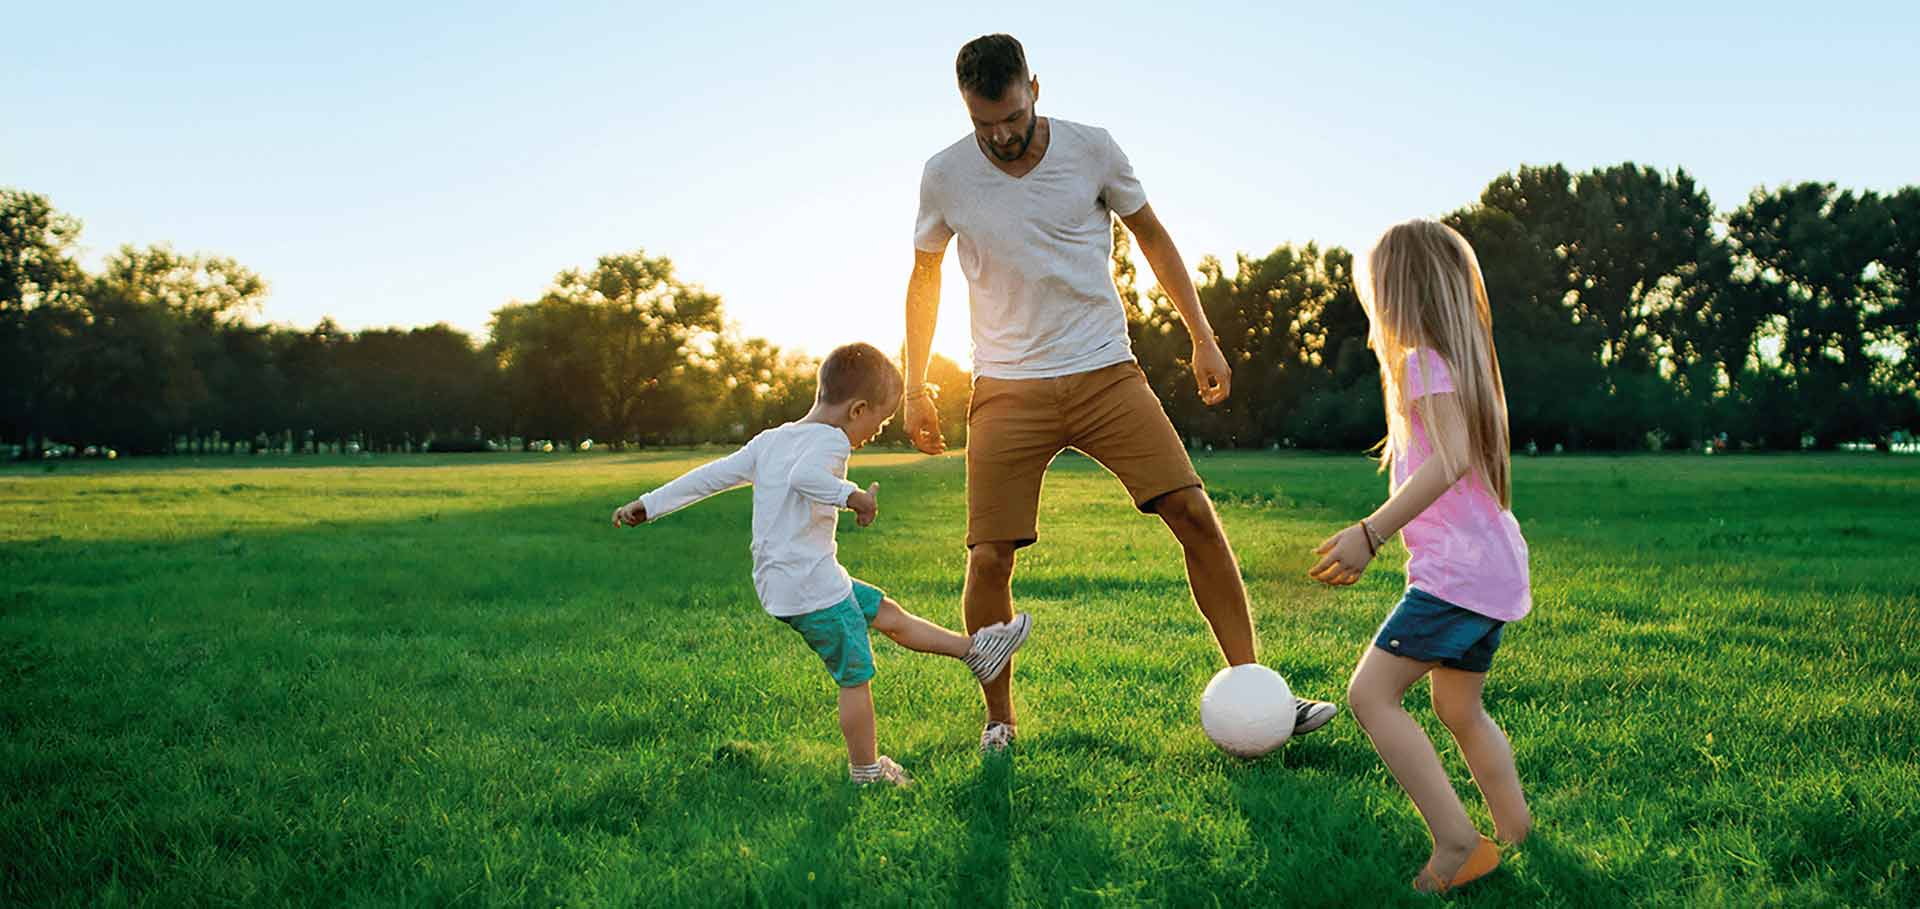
[(1015, 427)]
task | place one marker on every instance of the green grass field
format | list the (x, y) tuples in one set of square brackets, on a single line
[(446, 680)]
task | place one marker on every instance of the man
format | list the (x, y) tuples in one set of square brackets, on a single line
[(1029, 198)]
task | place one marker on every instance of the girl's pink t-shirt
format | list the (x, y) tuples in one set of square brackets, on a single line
[(1464, 548)]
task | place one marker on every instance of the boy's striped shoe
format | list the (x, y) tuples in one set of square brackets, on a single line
[(993, 647), (883, 770)]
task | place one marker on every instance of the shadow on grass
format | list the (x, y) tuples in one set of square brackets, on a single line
[(986, 806)]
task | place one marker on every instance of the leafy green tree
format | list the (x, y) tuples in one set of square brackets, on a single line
[(156, 324), (1635, 246), (40, 317), (755, 385), (613, 352), (1342, 407), (203, 287), (1809, 252), (549, 363), (1898, 321), (247, 394), (1595, 280), (308, 362)]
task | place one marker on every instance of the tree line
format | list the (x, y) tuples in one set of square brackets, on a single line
[(160, 352), (1628, 313)]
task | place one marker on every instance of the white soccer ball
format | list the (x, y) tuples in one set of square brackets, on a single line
[(1247, 710)]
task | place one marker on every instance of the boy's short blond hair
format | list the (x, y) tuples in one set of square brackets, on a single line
[(858, 370)]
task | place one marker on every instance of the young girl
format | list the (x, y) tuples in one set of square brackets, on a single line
[(1446, 449)]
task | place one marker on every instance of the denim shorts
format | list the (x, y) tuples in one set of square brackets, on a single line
[(1426, 628), (838, 634)]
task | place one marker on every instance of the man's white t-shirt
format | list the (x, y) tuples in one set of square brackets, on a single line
[(799, 477), (1037, 250)]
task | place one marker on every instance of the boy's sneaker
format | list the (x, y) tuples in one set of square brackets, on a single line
[(996, 738), (993, 647), (1309, 715), (883, 770)]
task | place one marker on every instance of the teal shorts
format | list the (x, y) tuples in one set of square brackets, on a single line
[(838, 634)]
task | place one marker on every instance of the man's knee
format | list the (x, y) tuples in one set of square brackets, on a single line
[(1189, 514), (990, 563)]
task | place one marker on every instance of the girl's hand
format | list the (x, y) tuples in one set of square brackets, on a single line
[(1344, 558)]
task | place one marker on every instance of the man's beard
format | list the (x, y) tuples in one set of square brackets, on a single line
[(994, 150)]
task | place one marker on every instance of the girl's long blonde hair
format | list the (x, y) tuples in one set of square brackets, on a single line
[(1421, 287)]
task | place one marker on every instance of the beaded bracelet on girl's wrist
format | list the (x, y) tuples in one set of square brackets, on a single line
[(1374, 540)]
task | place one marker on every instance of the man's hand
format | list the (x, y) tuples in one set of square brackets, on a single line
[(1344, 558), (923, 423), (1211, 374), (865, 505), (632, 514)]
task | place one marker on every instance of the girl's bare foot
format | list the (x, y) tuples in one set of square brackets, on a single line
[(1450, 866)]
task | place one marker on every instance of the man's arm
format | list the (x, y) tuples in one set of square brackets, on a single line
[(1210, 371), (923, 311)]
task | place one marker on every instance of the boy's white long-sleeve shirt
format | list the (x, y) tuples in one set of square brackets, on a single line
[(799, 476)]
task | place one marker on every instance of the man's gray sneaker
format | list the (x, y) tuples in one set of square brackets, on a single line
[(1309, 715), (996, 738)]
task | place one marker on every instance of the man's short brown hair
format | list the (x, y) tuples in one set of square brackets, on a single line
[(990, 64)]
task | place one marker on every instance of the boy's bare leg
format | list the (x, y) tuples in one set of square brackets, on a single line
[(1457, 699), (918, 634), (1379, 684), (988, 599), (857, 724)]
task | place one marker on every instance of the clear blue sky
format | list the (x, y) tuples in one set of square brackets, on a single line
[(404, 166)]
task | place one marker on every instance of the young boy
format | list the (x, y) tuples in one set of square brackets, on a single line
[(798, 472)]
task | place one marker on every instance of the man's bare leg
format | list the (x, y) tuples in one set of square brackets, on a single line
[(987, 600), (1213, 573)]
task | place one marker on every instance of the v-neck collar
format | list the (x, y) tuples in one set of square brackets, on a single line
[(987, 157)]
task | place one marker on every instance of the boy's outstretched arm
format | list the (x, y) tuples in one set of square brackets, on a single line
[(733, 471)]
